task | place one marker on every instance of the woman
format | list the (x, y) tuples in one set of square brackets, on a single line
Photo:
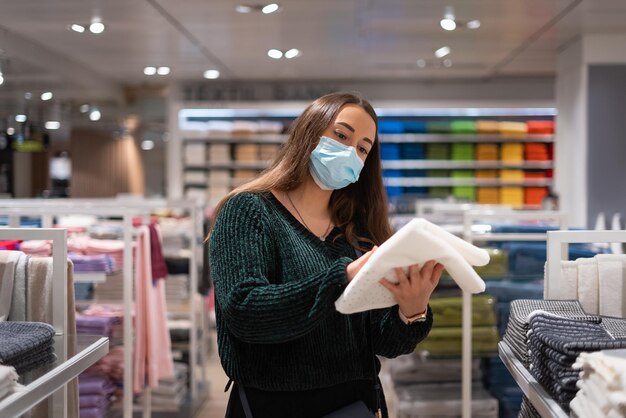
[(282, 250)]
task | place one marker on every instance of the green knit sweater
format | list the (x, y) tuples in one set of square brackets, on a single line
[(275, 288)]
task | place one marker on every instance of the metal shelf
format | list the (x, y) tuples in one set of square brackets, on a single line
[(470, 164), (543, 403), (256, 165), (227, 138), (478, 138), (89, 350), (450, 182), (90, 277)]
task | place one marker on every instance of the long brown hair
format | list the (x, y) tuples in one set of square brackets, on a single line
[(361, 207)]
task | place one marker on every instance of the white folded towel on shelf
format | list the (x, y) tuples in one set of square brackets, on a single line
[(8, 262), (588, 288), (416, 243), (611, 276), (569, 281), (616, 225)]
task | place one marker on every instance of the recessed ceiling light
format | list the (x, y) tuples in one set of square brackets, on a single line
[(270, 8), (1, 78), (20, 118), (95, 115), (53, 124), (447, 63), (96, 26), (421, 63), (84, 108), (275, 53), (150, 70), (211, 74), (442, 52), (147, 145), (242, 8), (47, 95), (473, 24), (10, 131), (28, 95), (77, 28), (448, 24), (163, 70), (292, 53)]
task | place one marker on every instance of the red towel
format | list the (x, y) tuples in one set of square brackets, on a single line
[(540, 126), (159, 268)]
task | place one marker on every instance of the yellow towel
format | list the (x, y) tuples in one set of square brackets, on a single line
[(512, 174), (512, 152), (515, 128), (512, 196)]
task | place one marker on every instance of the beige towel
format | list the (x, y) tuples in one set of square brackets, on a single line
[(588, 291), (18, 304), (569, 280), (8, 262), (611, 276)]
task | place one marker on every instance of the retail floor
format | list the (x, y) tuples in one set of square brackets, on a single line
[(215, 406)]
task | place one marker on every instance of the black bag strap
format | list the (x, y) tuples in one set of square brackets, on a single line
[(244, 401)]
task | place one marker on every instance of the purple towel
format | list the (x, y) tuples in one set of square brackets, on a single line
[(95, 385), (97, 412), (93, 401)]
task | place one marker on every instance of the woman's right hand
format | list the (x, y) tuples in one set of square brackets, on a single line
[(353, 268)]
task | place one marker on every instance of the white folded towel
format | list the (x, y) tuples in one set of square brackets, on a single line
[(588, 284), (416, 243), (616, 225), (611, 276)]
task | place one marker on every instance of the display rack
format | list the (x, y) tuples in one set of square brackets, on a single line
[(472, 234), (53, 382)]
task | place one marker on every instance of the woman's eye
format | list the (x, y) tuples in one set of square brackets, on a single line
[(363, 150), (340, 135)]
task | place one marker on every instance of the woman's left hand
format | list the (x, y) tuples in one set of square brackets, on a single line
[(413, 290)]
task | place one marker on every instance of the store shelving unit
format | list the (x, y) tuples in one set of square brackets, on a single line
[(47, 210), (89, 349), (538, 397)]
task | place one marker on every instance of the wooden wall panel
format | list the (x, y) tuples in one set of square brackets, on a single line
[(103, 166)]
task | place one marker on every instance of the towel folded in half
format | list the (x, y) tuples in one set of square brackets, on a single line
[(415, 243)]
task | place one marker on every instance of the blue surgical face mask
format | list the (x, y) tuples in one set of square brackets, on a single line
[(334, 165)]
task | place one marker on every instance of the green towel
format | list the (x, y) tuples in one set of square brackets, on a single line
[(444, 341), (463, 151), (448, 311), (462, 174), (438, 127), (464, 192), (438, 173), (439, 192), (463, 127), (437, 151), (498, 264)]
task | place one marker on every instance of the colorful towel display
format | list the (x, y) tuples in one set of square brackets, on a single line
[(540, 126), (536, 152), (512, 196), (463, 127), (534, 195), (488, 195), (438, 127), (487, 152), (463, 151), (486, 174), (512, 152), (389, 151), (511, 175), (437, 151), (487, 126), (513, 128)]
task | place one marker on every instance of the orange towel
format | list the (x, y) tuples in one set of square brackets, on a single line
[(488, 195), (512, 152), (486, 174), (487, 126), (534, 195), (540, 126), (486, 152)]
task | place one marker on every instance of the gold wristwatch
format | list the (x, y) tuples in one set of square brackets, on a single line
[(420, 317)]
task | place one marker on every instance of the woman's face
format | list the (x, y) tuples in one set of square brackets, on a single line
[(354, 127)]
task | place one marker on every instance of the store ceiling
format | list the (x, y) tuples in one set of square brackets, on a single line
[(339, 39)]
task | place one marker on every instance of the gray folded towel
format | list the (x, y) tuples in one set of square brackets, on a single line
[(19, 339)]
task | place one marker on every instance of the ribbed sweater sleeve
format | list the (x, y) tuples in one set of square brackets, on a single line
[(256, 309), (392, 337)]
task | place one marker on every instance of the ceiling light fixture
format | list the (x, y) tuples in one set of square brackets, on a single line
[(242, 8), (53, 124), (442, 52), (46, 96), (95, 115), (28, 95), (10, 131), (292, 53), (96, 26), (84, 108), (20, 118), (270, 8), (211, 74), (163, 70), (147, 145), (150, 70), (448, 22), (421, 63), (275, 53), (473, 24), (77, 28), (1, 79)]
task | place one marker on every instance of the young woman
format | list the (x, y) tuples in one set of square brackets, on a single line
[(282, 250)]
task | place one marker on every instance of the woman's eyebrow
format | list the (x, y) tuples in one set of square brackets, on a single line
[(346, 125)]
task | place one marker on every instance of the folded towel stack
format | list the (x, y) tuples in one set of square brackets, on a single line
[(540, 126), (96, 325), (555, 342), (513, 128), (486, 174), (170, 393), (488, 195), (602, 384), (92, 263), (438, 127), (389, 151), (270, 127), (487, 152), (528, 410), (411, 151), (11, 245), (536, 152), (462, 151), (26, 345), (95, 394), (505, 292), (518, 325), (39, 248), (463, 127), (487, 126), (512, 152), (110, 367), (533, 196), (415, 127), (463, 192), (106, 231), (112, 248), (512, 196), (388, 126), (111, 289), (437, 151)]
